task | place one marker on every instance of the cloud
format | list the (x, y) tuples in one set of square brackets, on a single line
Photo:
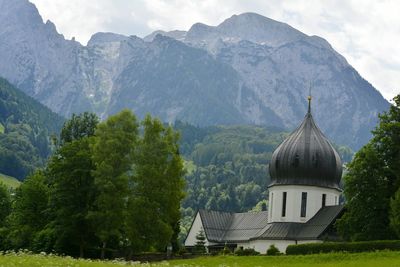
[(365, 32)]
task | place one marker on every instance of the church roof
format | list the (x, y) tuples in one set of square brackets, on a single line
[(312, 229), (306, 157), (226, 227)]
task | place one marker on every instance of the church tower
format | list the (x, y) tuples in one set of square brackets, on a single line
[(305, 173)]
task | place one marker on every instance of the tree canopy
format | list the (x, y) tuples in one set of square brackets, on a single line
[(108, 190), (371, 183)]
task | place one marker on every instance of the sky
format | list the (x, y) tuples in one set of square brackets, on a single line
[(365, 32)]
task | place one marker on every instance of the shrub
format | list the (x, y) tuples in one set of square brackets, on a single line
[(199, 247), (182, 250), (44, 240), (225, 251), (314, 248), (246, 252), (273, 251)]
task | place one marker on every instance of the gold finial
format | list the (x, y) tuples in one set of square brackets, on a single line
[(309, 99)]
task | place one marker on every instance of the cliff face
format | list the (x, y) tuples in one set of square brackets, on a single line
[(247, 70)]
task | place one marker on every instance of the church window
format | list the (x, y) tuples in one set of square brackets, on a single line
[(284, 196), (323, 200), (303, 204)]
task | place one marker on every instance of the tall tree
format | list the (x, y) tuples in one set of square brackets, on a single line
[(366, 217), (112, 154), (386, 141), (395, 213), (154, 205), (5, 203), (79, 126), (30, 213), (373, 178), (72, 194)]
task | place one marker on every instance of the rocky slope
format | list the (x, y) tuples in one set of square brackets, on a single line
[(247, 70)]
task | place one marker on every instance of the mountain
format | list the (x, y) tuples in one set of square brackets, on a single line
[(26, 130), (176, 81), (247, 70)]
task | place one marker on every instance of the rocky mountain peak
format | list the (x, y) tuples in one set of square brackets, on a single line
[(106, 37), (247, 26), (247, 70), (19, 13), (178, 35), (259, 29)]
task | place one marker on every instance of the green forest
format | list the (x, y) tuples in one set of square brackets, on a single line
[(26, 128), (227, 167), (110, 189)]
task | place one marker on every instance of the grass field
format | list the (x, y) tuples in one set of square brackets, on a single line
[(375, 259), (9, 181), (1, 128)]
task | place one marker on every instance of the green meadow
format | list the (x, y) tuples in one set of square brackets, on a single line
[(378, 259), (9, 181)]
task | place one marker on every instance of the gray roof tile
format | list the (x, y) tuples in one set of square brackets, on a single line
[(228, 227)]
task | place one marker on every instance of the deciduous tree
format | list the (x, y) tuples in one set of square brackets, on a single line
[(112, 154), (157, 187), (372, 180)]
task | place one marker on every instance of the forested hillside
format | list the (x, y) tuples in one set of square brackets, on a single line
[(25, 130), (227, 166)]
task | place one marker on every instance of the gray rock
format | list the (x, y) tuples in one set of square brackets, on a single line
[(247, 70)]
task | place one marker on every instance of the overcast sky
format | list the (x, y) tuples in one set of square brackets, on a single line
[(366, 32)]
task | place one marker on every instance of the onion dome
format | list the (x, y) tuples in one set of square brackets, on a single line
[(306, 157)]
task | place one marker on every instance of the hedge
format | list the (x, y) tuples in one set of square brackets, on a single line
[(246, 252), (326, 247)]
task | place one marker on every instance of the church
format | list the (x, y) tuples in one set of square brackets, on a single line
[(303, 203)]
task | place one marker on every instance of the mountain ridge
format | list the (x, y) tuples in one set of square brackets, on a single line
[(261, 73)]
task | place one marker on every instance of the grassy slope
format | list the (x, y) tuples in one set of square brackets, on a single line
[(9, 181), (385, 258)]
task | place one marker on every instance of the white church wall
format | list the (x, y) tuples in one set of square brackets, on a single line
[(293, 201), (197, 226), (262, 245), (194, 230), (308, 241)]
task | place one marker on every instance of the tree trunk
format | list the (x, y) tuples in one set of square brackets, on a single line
[(81, 247), (103, 250), (81, 250)]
